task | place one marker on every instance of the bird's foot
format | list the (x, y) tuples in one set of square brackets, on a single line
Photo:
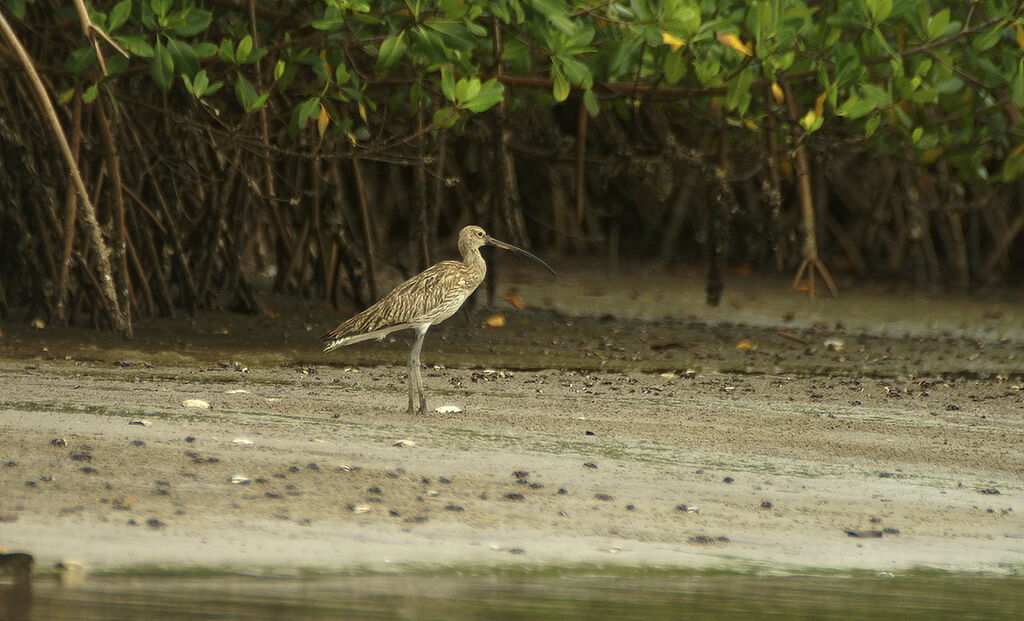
[(421, 410)]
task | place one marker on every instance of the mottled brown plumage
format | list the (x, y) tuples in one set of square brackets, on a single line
[(428, 298)]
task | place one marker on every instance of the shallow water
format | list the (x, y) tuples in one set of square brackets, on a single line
[(517, 595)]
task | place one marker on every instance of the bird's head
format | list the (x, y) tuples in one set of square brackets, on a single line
[(473, 237)]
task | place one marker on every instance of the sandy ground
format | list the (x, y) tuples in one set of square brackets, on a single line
[(882, 431)]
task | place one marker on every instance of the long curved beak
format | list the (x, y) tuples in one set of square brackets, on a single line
[(517, 250)]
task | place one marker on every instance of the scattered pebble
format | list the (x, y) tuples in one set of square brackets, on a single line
[(360, 509), (514, 496), (454, 508), (404, 444), (196, 403), (767, 505), (746, 345), (864, 534), (728, 480), (448, 409), (990, 491), (140, 421), (242, 441), (240, 479), (687, 509), (590, 465), (70, 572), (603, 497), (237, 391), (155, 523), (59, 442), (708, 539), (516, 551), (834, 344), (138, 443)]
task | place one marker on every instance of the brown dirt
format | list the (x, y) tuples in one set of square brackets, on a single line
[(590, 434)]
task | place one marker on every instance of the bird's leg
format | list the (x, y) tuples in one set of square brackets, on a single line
[(415, 375)]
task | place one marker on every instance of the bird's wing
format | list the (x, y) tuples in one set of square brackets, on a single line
[(413, 301)]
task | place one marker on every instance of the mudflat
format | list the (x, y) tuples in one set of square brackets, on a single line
[(614, 424)]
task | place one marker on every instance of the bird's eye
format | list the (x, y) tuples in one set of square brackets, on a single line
[(479, 233)]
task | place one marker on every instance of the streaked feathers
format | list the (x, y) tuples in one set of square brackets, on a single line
[(430, 297)]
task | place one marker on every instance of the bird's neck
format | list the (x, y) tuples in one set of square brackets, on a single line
[(472, 258)]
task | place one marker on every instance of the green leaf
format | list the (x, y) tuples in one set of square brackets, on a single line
[(855, 107), (17, 8), (576, 72), (987, 39), (90, 94), (937, 23), (119, 15), (590, 101), (79, 61), (488, 95), (871, 125), (391, 50), (161, 67), (341, 74), (193, 22), (457, 35), (66, 96), (448, 82), (205, 49), (160, 7), (461, 87), (116, 65), (445, 117), (738, 94), (876, 94), (1013, 165), (307, 110), (332, 19), (227, 51), (243, 49), (200, 82), (879, 10), (135, 45), (560, 86), (1017, 85), (674, 66), (556, 12), (245, 93), (475, 29), (185, 60)]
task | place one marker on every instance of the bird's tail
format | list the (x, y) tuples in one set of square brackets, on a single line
[(336, 338)]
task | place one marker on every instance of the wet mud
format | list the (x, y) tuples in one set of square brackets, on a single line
[(769, 433)]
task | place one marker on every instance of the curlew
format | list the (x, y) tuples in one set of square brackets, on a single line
[(426, 299)]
